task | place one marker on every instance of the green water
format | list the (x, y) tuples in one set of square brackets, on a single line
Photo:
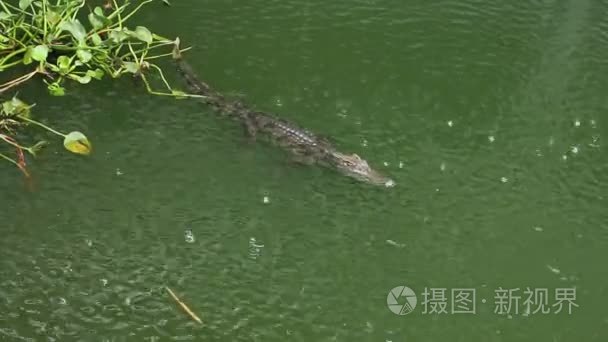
[(488, 114)]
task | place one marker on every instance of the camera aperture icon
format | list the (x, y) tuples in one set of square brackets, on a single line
[(401, 300)]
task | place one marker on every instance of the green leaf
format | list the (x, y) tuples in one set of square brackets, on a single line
[(63, 62), (117, 36), (75, 28), (82, 79), (15, 106), (143, 34), (98, 19), (40, 52), (77, 142), (55, 89), (96, 39), (53, 17), (27, 56), (4, 15), (3, 38), (84, 55), (131, 67), (23, 4), (37, 147), (96, 74)]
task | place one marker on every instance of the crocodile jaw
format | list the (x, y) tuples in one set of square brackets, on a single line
[(356, 167)]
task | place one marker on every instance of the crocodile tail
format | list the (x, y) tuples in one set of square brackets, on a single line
[(195, 85)]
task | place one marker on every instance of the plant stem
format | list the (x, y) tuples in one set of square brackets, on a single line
[(11, 142), (167, 54), (162, 76), (136, 9), (118, 10), (4, 87), (41, 125), (9, 159)]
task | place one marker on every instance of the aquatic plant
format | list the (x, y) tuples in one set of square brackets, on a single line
[(72, 42)]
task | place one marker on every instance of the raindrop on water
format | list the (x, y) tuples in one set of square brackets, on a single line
[(255, 248), (189, 236)]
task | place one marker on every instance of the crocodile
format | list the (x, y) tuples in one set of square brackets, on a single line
[(306, 147)]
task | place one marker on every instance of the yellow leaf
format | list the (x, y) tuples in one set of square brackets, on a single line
[(77, 142)]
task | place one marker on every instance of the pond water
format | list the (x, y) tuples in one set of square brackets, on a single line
[(489, 115)]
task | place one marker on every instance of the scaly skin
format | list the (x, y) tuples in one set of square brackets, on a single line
[(304, 145)]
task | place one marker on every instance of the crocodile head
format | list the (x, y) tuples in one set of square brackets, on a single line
[(356, 167)]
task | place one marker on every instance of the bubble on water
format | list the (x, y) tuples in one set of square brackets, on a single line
[(401, 165), (189, 236), (553, 269), (574, 149), (577, 123), (364, 143), (592, 123), (104, 281), (551, 141), (278, 102), (504, 179), (564, 157), (442, 167), (118, 172), (450, 123), (89, 242), (539, 153), (266, 199), (538, 229), (385, 163), (491, 138)]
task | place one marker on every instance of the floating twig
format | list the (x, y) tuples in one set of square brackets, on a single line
[(184, 306)]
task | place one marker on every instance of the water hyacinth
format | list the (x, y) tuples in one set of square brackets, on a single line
[(66, 43)]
